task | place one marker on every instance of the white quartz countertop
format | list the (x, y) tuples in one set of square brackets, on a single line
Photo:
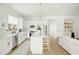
[(9, 35), (16, 34), (74, 41), (12, 34)]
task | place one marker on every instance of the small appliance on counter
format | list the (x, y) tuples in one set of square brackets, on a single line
[(72, 34)]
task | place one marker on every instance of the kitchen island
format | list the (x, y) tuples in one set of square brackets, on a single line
[(71, 45), (36, 44)]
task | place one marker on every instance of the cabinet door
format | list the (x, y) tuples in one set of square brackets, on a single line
[(19, 39), (36, 45), (3, 48), (9, 43)]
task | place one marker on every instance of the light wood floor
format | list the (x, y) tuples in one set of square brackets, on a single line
[(55, 49)]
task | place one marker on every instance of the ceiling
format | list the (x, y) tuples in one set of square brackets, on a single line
[(46, 9)]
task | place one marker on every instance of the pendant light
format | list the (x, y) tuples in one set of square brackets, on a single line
[(40, 11)]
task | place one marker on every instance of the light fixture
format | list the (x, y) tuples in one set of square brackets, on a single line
[(40, 11)]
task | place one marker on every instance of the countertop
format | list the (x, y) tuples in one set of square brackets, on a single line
[(10, 35), (73, 40)]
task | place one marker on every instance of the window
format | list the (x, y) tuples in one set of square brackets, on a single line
[(12, 20), (12, 23)]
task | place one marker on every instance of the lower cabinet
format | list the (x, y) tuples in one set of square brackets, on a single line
[(3, 47), (69, 46), (36, 45), (12, 42), (21, 38), (9, 43)]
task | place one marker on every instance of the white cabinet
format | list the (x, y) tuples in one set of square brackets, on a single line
[(9, 43), (37, 45), (69, 45), (12, 42), (3, 46), (21, 37)]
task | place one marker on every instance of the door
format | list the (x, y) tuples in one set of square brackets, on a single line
[(52, 28)]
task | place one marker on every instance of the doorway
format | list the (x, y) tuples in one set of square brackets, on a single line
[(52, 28)]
